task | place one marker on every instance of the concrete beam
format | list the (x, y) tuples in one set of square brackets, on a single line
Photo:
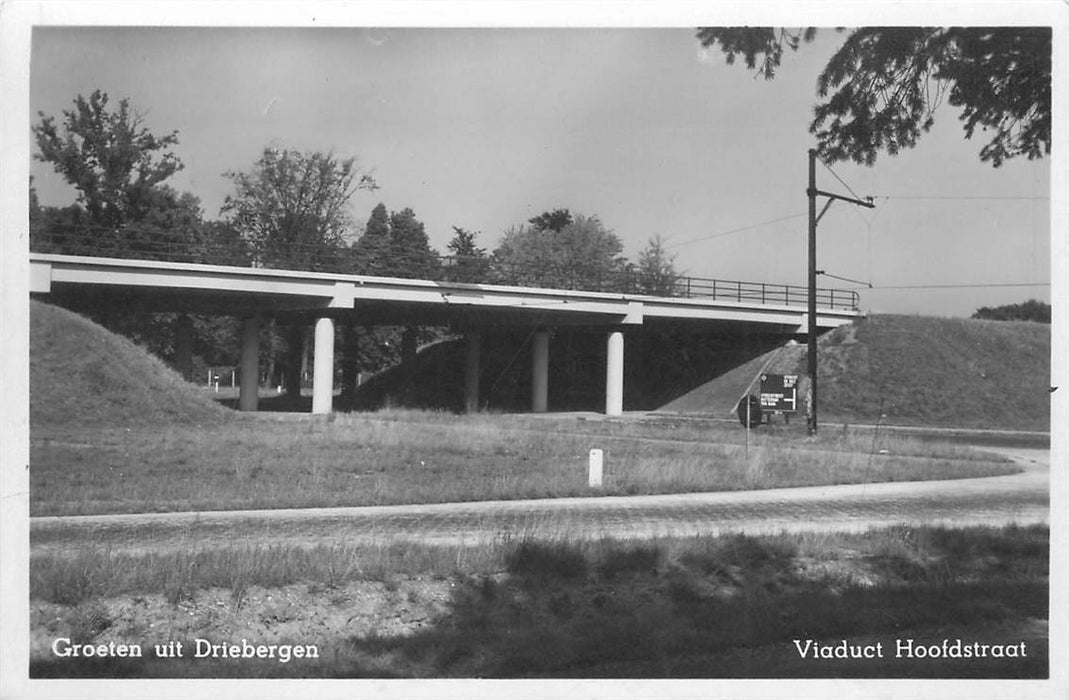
[(323, 367), (614, 375), (540, 372), (249, 391)]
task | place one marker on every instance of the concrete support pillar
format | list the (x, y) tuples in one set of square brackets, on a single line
[(614, 375), (183, 346), (408, 345), (323, 367), (540, 372), (249, 391), (471, 372)]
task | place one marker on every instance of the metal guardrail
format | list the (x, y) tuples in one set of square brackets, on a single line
[(171, 247)]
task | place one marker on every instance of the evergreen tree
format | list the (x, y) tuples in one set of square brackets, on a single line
[(371, 251), (470, 262), (410, 249)]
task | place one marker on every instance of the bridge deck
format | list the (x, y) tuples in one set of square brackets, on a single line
[(198, 288)]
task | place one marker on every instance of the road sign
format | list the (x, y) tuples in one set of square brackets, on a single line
[(779, 393)]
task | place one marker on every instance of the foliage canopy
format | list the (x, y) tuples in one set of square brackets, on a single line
[(581, 255), (881, 88), (292, 207), (108, 156), (1031, 310)]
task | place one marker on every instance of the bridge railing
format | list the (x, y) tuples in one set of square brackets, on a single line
[(576, 275)]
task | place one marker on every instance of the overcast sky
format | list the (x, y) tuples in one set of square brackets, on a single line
[(485, 128)]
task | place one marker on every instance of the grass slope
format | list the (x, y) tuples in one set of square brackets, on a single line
[(914, 370), (80, 373), (937, 371)]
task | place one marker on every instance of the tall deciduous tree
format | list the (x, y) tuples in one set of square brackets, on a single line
[(109, 156), (583, 254), (292, 207), (881, 89)]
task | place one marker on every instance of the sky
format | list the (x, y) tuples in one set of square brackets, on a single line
[(484, 128)]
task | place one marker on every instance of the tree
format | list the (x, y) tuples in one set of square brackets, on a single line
[(470, 262), (394, 245), (551, 220), (109, 156), (656, 271), (371, 250), (410, 249), (1031, 310), (881, 89), (583, 254), (292, 207)]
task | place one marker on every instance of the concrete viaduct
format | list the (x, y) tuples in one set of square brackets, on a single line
[(256, 293)]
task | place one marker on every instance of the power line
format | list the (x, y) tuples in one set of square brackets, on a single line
[(963, 286), (963, 197), (841, 181), (738, 230)]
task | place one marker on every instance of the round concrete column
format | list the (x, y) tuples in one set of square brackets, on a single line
[(249, 390), (540, 372), (471, 372), (614, 375), (323, 367)]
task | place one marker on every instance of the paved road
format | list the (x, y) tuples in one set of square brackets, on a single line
[(1019, 498)]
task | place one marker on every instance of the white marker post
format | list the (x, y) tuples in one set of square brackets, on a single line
[(596, 460)]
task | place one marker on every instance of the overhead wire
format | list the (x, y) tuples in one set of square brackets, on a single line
[(963, 286), (738, 230)]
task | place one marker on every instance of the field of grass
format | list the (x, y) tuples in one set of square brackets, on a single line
[(410, 457), (702, 606)]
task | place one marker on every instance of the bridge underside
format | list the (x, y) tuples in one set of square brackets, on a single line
[(478, 312)]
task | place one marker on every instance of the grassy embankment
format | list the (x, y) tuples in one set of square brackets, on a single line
[(687, 607), (911, 370)]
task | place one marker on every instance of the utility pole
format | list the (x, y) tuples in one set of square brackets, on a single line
[(811, 333)]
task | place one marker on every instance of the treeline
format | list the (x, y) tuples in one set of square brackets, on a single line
[(1031, 310), (291, 210)]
